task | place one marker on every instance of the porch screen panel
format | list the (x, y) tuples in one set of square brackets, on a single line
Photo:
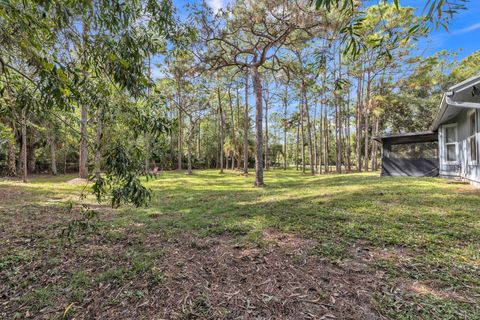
[(419, 159)]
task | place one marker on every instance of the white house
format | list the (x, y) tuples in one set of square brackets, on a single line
[(457, 124), (450, 149)]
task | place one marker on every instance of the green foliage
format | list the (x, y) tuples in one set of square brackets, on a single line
[(437, 12), (57, 56), (122, 167)]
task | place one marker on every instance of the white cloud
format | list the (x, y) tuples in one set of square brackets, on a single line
[(216, 5), (468, 29)]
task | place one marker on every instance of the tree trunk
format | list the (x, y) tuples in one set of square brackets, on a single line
[(239, 158), (65, 148), (199, 141), (189, 147), (320, 138), (348, 142), (98, 142), (180, 139), (23, 153), (83, 170), (366, 126), (302, 105), (234, 138), (267, 165), (146, 135), (222, 129), (315, 150), (257, 88), (245, 129), (309, 131), (285, 106), (298, 145), (327, 141), (338, 120), (11, 163), (358, 124), (172, 143), (53, 150), (375, 145)]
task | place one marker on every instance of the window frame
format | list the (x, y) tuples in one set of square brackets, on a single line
[(469, 137), (445, 143)]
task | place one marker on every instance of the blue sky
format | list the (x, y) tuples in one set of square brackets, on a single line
[(463, 35)]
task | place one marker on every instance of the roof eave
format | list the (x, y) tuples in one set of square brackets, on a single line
[(441, 111)]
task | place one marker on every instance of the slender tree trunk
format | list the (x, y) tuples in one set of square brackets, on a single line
[(245, 129), (180, 139), (327, 141), (257, 88), (234, 138), (298, 145), (11, 163), (222, 128), (358, 124), (65, 148), (348, 142), (267, 165), (83, 170), (23, 153), (302, 115), (338, 121), (320, 138), (315, 150), (189, 146), (309, 130), (367, 125), (98, 144), (375, 145), (146, 135), (172, 151), (199, 142), (239, 158), (53, 150), (32, 159), (285, 127)]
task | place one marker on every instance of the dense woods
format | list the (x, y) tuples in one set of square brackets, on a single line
[(219, 159), (254, 86)]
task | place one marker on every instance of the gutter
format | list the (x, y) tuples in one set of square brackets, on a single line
[(461, 104), (448, 101)]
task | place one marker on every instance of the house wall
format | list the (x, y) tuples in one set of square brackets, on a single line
[(463, 168)]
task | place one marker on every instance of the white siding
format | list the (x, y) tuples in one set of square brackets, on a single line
[(463, 168)]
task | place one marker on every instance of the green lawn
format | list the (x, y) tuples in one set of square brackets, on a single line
[(212, 246)]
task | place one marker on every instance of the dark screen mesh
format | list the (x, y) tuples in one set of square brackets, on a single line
[(419, 150)]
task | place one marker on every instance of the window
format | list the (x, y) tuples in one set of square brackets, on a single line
[(450, 133), (472, 137)]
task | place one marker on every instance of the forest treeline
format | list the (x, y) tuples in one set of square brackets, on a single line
[(115, 90)]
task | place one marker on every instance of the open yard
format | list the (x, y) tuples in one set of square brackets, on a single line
[(211, 246)]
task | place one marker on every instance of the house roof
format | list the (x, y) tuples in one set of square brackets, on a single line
[(460, 96), (455, 100), (410, 137)]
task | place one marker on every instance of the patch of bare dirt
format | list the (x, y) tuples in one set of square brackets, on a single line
[(433, 289), (287, 241), (115, 277), (219, 279), (77, 181)]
